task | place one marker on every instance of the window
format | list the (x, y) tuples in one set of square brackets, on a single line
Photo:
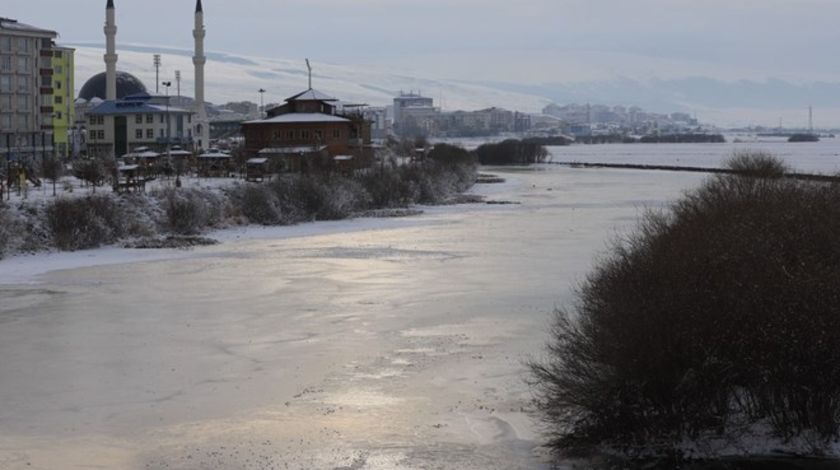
[(5, 44), (337, 133), (58, 115), (23, 121), (304, 135), (319, 136), (5, 121), (58, 70), (162, 119), (23, 64), (189, 118), (150, 119), (6, 63), (138, 119), (59, 100), (101, 135), (5, 103), (23, 45), (150, 133), (58, 85), (23, 103), (100, 120), (6, 83), (291, 135), (138, 134), (161, 134), (23, 84), (92, 120)]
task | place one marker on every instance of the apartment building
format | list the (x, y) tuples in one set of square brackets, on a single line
[(26, 90)]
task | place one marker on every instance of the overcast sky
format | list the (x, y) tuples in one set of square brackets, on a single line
[(523, 41)]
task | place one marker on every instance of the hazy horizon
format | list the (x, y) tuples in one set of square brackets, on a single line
[(541, 47)]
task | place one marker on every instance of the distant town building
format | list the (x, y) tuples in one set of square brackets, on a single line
[(26, 90), (586, 120), (415, 114), (309, 131)]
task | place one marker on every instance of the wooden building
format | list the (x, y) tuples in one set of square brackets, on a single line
[(307, 132)]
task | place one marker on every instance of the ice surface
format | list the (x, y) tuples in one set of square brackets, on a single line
[(369, 343)]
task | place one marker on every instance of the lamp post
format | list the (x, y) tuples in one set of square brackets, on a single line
[(262, 106), (157, 73), (168, 125)]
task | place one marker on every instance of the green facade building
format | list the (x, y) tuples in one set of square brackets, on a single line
[(64, 109)]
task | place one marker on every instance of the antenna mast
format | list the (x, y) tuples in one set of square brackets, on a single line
[(310, 73)]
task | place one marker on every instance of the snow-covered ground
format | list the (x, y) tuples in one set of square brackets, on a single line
[(367, 343)]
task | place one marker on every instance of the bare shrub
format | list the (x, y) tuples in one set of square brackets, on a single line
[(88, 222), (10, 228), (92, 171), (259, 204), (190, 211), (722, 310), (757, 163)]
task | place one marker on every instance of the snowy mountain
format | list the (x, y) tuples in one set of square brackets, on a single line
[(722, 100), (237, 78)]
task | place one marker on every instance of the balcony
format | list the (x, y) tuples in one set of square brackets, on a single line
[(46, 72), (47, 109), (46, 91), (46, 53)]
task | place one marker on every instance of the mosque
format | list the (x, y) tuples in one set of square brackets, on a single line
[(121, 115)]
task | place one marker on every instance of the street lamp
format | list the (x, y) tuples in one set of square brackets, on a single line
[(168, 125), (157, 73), (262, 106)]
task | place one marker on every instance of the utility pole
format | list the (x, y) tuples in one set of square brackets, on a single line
[(157, 73), (168, 125)]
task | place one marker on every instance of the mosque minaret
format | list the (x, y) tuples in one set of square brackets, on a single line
[(202, 127), (110, 52)]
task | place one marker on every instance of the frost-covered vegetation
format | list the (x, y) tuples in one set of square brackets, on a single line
[(712, 326), (74, 223)]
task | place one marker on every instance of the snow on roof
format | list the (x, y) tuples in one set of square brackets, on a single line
[(291, 150), (256, 161), (291, 118), (120, 107), (9, 24), (342, 158), (311, 95), (144, 154), (214, 155)]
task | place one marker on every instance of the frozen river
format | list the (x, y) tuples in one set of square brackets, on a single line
[(380, 344)]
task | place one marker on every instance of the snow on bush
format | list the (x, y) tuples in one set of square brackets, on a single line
[(715, 317), (190, 211), (95, 220), (86, 222)]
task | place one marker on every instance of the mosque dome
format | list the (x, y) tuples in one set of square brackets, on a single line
[(127, 84)]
